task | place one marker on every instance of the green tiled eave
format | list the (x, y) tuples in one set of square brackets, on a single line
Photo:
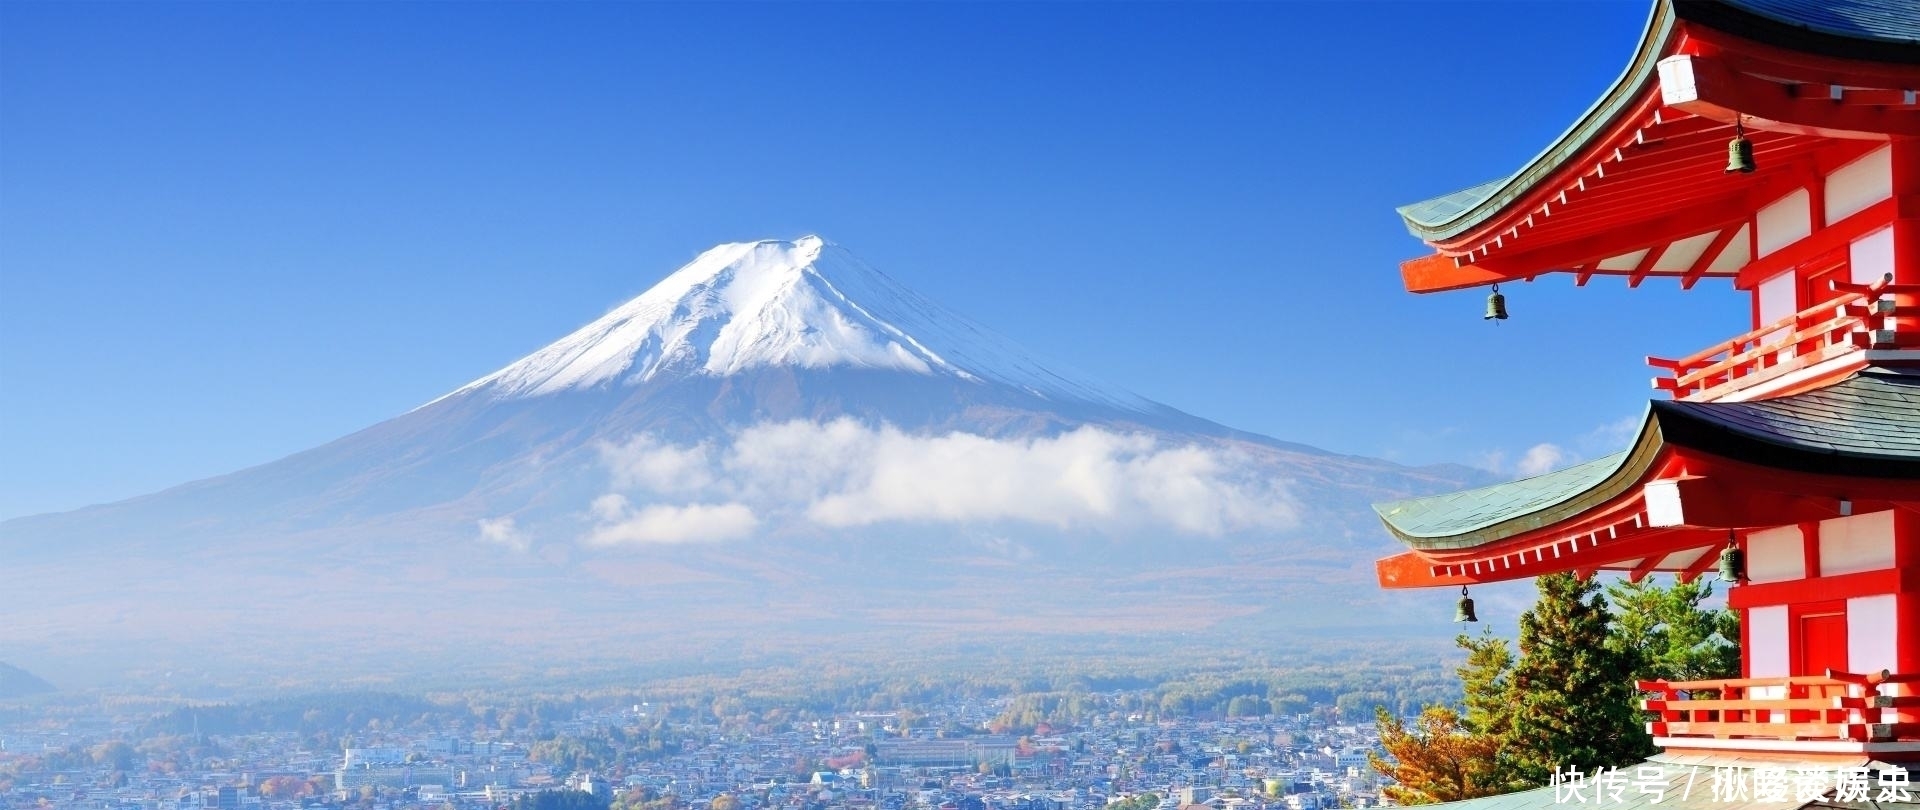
[(1450, 215), (1461, 512), (1476, 517), (1866, 425)]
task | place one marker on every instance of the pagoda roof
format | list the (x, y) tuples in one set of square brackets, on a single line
[(1622, 162), (1880, 30), (1858, 438), (1456, 519), (1866, 424)]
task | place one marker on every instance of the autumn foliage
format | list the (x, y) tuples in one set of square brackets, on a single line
[(1438, 760)]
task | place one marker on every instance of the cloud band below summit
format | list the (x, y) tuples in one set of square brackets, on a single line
[(845, 474)]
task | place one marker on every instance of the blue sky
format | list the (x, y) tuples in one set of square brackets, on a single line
[(229, 232)]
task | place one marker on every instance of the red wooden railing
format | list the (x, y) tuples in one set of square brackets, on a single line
[(1836, 706), (1881, 315)]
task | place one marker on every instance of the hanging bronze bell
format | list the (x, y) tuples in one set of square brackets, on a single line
[(1463, 612), (1733, 564), (1496, 305), (1740, 155)]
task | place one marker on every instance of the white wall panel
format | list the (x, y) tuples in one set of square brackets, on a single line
[(1873, 633), (1853, 187), (1767, 640), (1850, 545), (1871, 256), (1682, 254), (1735, 256), (1776, 555), (1784, 222), (1777, 298)]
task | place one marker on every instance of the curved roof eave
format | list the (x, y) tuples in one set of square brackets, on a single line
[(1872, 30), (1867, 424), (1476, 517), (1451, 215)]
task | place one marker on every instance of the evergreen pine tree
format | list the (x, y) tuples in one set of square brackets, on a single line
[(1484, 680), (1486, 684), (1669, 635), (1573, 694)]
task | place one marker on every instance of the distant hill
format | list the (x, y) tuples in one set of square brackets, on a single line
[(16, 682)]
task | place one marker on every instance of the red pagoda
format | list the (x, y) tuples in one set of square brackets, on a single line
[(1776, 144)]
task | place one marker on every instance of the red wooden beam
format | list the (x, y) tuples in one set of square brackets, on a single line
[(1843, 586), (1708, 87), (1704, 169), (1646, 263), (1680, 224), (1719, 503), (1684, 127), (1548, 188), (1878, 97), (1438, 273), (1646, 566), (1627, 214), (1700, 566), (1833, 237), (1412, 569), (1748, 56), (1707, 257), (1864, 492), (1704, 166)]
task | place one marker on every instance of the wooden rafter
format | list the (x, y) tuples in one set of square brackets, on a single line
[(1646, 263), (1709, 256), (1707, 560)]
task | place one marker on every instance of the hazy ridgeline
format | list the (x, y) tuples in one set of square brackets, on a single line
[(1343, 680)]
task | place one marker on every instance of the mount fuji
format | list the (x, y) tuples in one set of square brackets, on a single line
[(774, 441)]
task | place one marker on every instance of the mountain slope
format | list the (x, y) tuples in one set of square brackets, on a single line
[(803, 304), (774, 437), (16, 683)]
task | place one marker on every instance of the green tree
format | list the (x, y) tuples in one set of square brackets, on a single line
[(1484, 679), (1572, 691), (1668, 634), (115, 754)]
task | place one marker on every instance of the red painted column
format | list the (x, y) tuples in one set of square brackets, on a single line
[(1906, 557), (1906, 212)]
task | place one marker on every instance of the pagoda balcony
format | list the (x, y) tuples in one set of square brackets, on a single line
[(1840, 712), (1865, 323)]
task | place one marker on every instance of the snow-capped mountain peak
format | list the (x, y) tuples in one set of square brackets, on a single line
[(808, 304)]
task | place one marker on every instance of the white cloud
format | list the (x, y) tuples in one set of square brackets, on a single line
[(621, 524), (501, 531), (845, 474), (1541, 459), (645, 462), (1604, 439)]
